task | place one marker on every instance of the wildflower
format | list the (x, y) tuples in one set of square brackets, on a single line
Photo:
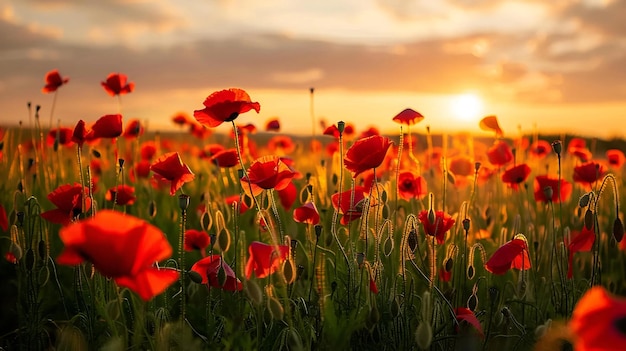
[(170, 167), (513, 254), (224, 106), (490, 123), (61, 135), (615, 158), (542, 182), (516, 175), (54, 81), (123, 195), (306, 213), (598, 321), (408, 117), (133, 129), (437, 226), (181, 119), (366, 154), (107, 126), (332, 130), (287, 195), (120, 247), (466, 315), (500, 153), (461, 166), (268, 172), (141, 170), (282, 144), (80, 134), (225, 158), (243, 207), (349, 204), (116, 84), (147, 150), (411, 186), (372, 285), (69, 202), (581, 242), (272, 125), (265, 259), (209, 268), (196, 240), (588, 173), (540, 149)]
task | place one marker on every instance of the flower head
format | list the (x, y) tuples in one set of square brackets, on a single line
[(438, 227), (54, 81), (408, 117), (307, 213), (170, 167), (349, 203), (513, 254), (516, 175), (69, 202), (265, 259), (116, 84), (123, 195), (267, 172), (196, 240), (209, 268), (120, 247), (411, 186), (543, 182), (366, 154), (598, 321), (500, 153), (225, 106)]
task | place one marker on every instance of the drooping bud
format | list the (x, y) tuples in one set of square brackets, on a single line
[(183, 201), (195, 277), (618, 229), (412, 240), (588, 219), (318, 231), (254, 292), (548, 192), (276, 309), (360, 258), (584, 200), (466, 224), (223, 240), (424, 335), (289, 271), (557, 147)]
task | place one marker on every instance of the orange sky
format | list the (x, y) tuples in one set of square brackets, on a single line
[(555, 66)]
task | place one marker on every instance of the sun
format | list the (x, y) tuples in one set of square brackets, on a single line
[(466, 107)]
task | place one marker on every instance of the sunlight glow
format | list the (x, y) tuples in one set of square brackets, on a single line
[(467, 107)]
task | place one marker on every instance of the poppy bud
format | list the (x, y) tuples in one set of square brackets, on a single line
[(152, 209), (466, 224), (289, 271), (254, 292), (37, 108), (341, 126), (450, 178), (588, 219), (424, 335), (618, 229), (16, 250), (470, 272), (360, 258), (431, 216), (183, 201), (557, 147), (293, 340), (1, 145), (472, 302), (584, 200), (20, 186), (221, 276), (195, 277), (318, 230), (412, 240), (95, 153), (120, 162), (449, 264), (30, 260), (294, 245), (374, 316), (548, 192), (42, 250), (426, 305), (276, 309), (223, 240), (477, 166)]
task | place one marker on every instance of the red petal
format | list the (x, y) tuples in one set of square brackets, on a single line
[(149, 282)]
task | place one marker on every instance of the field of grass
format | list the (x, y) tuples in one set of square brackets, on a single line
[(115, 237)]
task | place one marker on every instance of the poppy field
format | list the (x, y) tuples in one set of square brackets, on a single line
[(119, 237)]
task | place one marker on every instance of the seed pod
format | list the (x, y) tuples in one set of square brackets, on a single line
[(448, 265), (374, 315), (44, 275), (412, 240), (95, 153), (341, 126), (254, 293), (618, 229), (557, 147), (466, 224), (183, 201), (360, 258)]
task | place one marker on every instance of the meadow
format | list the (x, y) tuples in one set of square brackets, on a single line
[(117, 237)]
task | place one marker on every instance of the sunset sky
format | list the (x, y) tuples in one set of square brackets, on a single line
[(557, 66)]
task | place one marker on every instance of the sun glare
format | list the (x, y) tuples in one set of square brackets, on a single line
[(466, 107)]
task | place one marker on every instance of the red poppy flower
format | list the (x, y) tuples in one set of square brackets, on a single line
[(107, 126), (513, 254), (225, 106), (306, 213), (265, 259), (349, 204), (411, 186), (466, 315), (80, 133), (225, 158), (444, 275), (69, 202), (199, 131), (373, 287), (123, 195), (181, 118), (348, 130), (331, 148), (332, 130), (366, 154), (515, 175), (287, 195), (581, 242), (281, 144), (576, 143), (120, 247), (170, 167), (230, 200), (142, 169), (408, 117), (54, 81), (4, 221), (267, 172), (615, 158), (116, 84), (500, 153), (210, 150), (462, 166), (209, 268), (542, 182), (64, 136), (438, 228), (246, 129), (273, 125), (540, 149), (490, 123), (133, 129), (196, 240), (369, 132), (95, 165), (588, 173), (148, 150), (10, 257), (598, 321)]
